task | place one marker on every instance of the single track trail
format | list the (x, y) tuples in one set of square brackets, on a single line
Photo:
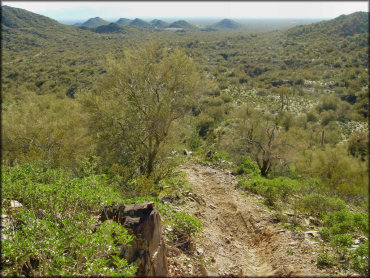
[(241, 237)]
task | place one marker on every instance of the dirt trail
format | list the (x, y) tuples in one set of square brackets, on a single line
[(240, 238)]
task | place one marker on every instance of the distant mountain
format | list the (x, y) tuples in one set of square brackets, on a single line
[(110, 28), (95, 22), (159, 23), (181, 24), (344, 25), (123, 21), (140, 23), (227, 24)]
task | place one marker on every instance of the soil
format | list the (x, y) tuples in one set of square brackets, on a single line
[(240, 236)]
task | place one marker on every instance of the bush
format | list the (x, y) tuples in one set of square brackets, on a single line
[(53, 230), (319, 205), (343, 222), (360, 259), (247, 166), (272, 189), (185, 224), (325, 259)]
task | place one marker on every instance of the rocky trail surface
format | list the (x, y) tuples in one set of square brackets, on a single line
[(240, 237)]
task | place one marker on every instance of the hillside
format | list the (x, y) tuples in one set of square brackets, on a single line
[(343, 26), (159, 23), (227, 24), (22, 29), (19, 18), (181, 24), (123, 21), (253, 145), (95, 22), (110, 28), (140, 23)]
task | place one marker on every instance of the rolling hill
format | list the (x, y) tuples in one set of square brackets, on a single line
[(22, 29), (123, 21), (343, 26), (227, 24), (140, 23), (95, 22), (159, 23), (181, 24)]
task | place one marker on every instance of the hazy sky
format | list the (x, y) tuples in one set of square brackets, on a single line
[(156, 9)]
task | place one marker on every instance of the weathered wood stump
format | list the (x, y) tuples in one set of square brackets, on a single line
[(147, 250)]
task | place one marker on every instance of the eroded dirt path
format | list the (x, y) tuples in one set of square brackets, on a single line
[(240, 237)]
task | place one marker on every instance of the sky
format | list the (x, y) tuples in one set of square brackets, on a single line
[(73, 10)]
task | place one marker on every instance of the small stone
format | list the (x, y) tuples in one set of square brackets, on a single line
[(281, 231), (312, 233), (188, 259), (362, 239), (190, 265), (200, 251), (15, 204)]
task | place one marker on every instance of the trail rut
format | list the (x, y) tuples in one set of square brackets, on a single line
[(240, 236)]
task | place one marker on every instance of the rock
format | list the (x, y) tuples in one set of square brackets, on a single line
[(147, 250), (362, 239), (200, 251), (289, 213), (312, 234), (15, 204), (185, 152), (281, 231), (190, 265), (314, 221)]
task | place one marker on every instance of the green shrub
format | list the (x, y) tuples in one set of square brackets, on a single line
[(247, 166), (360, 259), (319, 205), (325, 259), (343, 222), (272, 189), (53, 234), (185, 224)]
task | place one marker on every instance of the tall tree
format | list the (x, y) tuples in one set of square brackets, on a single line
[(134, 105)]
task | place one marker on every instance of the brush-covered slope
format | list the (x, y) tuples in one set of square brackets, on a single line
[(22, 29), (343, 26)]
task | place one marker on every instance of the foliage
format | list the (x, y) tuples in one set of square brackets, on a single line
[(360, 259), (183, 223), (317, 204), (246, 166), (52, 233), (134, 106)]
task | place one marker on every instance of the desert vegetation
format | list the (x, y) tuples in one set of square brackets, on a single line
[(97, 118)]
